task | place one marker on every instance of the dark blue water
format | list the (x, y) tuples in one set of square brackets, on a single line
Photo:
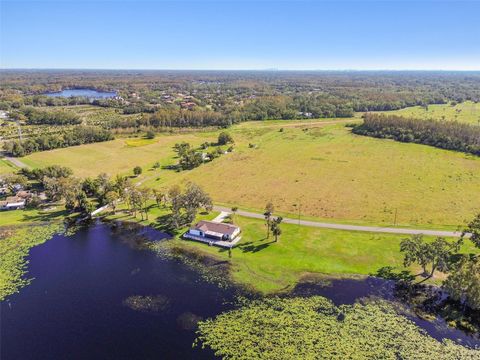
[(88, 93), (74, 307)]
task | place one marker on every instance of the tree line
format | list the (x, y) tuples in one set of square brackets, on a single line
[(33, 116), (450, 135), (78, 136)]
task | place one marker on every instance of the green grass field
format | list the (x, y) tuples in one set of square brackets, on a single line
[(318, 168), (30, 216), (301, 251), (467, 112), (6, 167)]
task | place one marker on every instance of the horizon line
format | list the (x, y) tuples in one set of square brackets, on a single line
[(240, 69)]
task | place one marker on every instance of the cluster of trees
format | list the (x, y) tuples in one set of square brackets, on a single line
[(176, 118), (34, 116), (184, 205), (463, 270), (448, 135), (272, 223), (77, 136), (191, 158)]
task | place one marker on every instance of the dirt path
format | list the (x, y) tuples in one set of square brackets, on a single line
[(376, 229), (16, 162)]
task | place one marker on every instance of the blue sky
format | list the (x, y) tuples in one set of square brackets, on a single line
[(240, 35)]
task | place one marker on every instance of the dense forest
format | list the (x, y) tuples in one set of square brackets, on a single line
[(159, 100), (241, 95), (448, 135)]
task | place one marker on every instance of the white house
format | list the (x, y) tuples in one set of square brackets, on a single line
[(214, 231), (12, 203)]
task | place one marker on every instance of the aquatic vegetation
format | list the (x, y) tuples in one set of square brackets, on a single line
[(314, 328), (150, 303), (14, 247), (211, 270)]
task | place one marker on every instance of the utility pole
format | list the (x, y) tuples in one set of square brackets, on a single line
[(395, 219), (19, 129), (299, 209)]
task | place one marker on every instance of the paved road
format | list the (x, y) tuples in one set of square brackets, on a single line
[(389, 230)]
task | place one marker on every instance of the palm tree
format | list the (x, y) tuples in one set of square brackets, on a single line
[(268, 216), (275, 227), (234, 212)]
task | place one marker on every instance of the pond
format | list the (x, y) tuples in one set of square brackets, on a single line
[(95, 295), (82, 92), (80, 305)]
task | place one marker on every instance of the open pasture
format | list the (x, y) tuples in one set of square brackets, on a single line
[(468, 112), (312, 169)]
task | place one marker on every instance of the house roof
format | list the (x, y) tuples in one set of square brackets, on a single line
[(210, 226), (14, 199), (24, 194)]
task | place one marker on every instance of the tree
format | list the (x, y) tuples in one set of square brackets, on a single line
[(87, 208), (224, 138), (121, 184), (463, 284), (175, 197), (112, 198), (269, 208), (137, 170), (474, 229), (144, 195), (159, 197), (275, 227), (184, 206), (193, 199), (150, 134), (181, 148), (234, 212), (135, 201), (190, 159), (431, 256), (11, 181)]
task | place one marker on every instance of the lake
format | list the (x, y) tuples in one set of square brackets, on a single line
[(88, 93), (95, 295)]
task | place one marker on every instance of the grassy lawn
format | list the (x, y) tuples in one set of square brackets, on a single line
[(316, 167), (24, 217), (269, 267), (6, 167), (468, 112)]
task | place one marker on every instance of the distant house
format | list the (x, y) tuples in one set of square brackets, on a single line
[(24, 194), (215, 231), (12, 203), (187, 105)]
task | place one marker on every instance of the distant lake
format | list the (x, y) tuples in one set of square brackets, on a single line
[(88, 93)]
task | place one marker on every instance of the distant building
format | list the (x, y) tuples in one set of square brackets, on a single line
[(214, 231), (187, 105), (12, 203)]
